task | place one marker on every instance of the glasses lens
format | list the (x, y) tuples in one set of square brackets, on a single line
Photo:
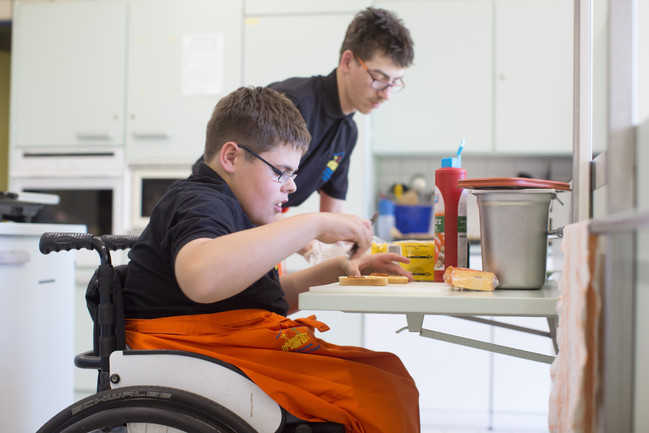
[(398, 86), (285, 176), (382, 85)]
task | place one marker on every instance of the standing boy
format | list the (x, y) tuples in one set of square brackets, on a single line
[(374, 55), (202, 276)]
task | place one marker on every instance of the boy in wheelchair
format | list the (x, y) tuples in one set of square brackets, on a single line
[(202, 277)]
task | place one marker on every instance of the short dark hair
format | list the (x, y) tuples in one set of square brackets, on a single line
[(258, 117), (376, 30)]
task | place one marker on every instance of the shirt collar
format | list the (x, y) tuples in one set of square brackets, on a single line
[(331, 100)]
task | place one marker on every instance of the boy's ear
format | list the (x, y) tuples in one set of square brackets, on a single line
[(345, 60), (228, 156)]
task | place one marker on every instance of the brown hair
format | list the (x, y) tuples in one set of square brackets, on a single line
[(257, 117), (379, 31)]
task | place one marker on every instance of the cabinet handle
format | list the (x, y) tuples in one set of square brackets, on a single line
[(13, 257), (95, 135), (153, 134)]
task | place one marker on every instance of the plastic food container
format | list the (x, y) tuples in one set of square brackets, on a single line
[(514, 235), (413, 218)]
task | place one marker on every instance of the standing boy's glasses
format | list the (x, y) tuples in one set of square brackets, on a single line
[(377, 84), (282, 176)]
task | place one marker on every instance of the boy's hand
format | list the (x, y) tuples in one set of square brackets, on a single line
[(387, 263), (349, 228)]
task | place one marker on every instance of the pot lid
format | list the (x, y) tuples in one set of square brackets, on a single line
[(512, 183)]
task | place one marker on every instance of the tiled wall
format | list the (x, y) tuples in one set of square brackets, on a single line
[(390, 170)]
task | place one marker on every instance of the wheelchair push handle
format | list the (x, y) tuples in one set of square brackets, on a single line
[(57, 241)]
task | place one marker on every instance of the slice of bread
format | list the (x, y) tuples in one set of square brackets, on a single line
[(397, 279), (392, 279), (363, 280)]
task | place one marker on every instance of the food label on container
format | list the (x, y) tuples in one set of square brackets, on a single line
[(440, 240), (422, 255)]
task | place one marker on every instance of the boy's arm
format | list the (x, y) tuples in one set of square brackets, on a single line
[(210, 270), (330, 204)]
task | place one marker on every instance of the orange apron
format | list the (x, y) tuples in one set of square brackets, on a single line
[(367, 391)]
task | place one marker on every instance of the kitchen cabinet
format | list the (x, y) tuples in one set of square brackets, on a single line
[(37, 332), (448, 94), (182, 58), (453, 381), (67, 78), (533, 82), (522, 388), (496, 72), (273, 52), (255, 7), (141, 73), (463, 387)]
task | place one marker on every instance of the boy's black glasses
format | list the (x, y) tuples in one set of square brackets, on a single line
[(282, 176), (377, 84)]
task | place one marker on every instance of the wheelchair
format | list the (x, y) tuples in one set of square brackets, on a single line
[(160, 391)]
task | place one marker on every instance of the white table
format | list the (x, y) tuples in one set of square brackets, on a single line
[(418, 299)]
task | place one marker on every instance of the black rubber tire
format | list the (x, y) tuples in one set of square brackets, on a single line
[(111, 410)]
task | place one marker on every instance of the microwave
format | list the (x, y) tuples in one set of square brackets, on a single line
[(148, 186)]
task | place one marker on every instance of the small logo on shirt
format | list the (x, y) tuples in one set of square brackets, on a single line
[(332, 166)]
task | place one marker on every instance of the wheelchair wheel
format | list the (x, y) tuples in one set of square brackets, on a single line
[(149, 409)]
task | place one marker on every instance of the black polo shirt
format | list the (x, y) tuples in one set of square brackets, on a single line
[(202, 206), (333, 136)]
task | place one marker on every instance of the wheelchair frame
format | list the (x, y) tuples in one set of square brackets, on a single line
[(214, 396)]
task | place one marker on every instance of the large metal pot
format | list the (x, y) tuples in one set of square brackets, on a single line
[(514, 235)]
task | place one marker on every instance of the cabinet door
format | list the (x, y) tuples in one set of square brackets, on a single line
[(533, 86), (521, 388), (448, 89), (36, 305), (453, 380), (254, 7), (279, 47), (68, 73), (183, 57)]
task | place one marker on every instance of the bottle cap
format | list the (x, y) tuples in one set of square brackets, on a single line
[(452, 162), (386, 207), (457, 161)]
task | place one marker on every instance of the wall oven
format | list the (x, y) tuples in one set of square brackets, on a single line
[(90, 187)]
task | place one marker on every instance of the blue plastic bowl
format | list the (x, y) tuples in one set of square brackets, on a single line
[(413, 218)]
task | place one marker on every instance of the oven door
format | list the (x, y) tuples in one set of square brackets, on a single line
[(93, 202)]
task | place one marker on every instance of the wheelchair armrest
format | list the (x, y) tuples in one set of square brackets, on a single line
[(87, 360)]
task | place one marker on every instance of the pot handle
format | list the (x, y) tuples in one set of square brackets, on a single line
[(556, 233)]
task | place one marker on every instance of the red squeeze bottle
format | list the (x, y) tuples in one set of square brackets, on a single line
[(446, 179)]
